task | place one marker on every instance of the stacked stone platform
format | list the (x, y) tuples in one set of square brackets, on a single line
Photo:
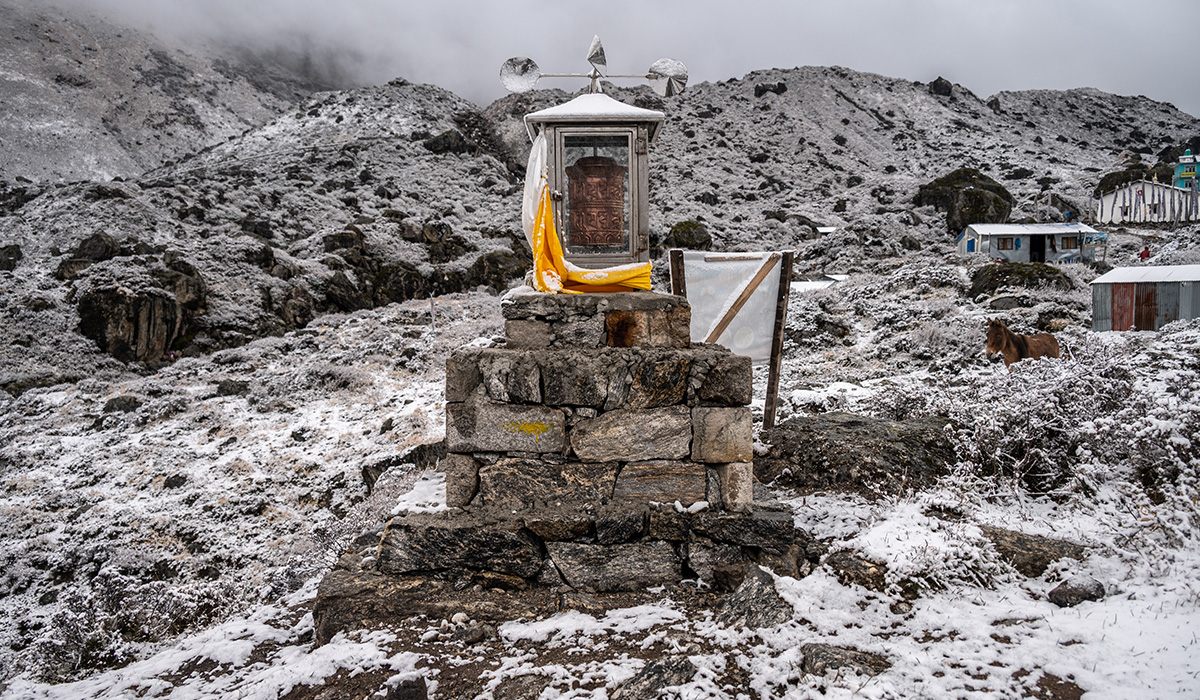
[(597, 449)]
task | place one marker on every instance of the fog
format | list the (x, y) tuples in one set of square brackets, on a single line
[(987, 46)]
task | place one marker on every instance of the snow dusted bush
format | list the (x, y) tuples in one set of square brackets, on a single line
[(1124, 410), (107, 622)]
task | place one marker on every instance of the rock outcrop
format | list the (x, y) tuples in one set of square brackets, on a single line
[(854, 453), (968, 197)]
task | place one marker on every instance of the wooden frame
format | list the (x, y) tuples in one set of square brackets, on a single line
[(775, 362)]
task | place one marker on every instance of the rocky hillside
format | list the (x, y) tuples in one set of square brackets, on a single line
[(83, 99), (763, 156), (366, 197)]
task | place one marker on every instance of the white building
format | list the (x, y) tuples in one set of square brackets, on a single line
[(1049, 243), (1144, 201)]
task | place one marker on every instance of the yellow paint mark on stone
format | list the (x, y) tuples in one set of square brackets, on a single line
[(536, 429)]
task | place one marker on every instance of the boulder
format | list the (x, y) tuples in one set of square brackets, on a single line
[(690, 234), (10, 255), (761, 89), (1030, 555), (755, 604), (656, 675), (819, 659), (991, 278), (941, 87), (132, 326), (968, 197), (853, 569), (618, 567), (853, 453), (1076, 590)]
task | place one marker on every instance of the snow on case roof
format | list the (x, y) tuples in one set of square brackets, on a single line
[(595, 107), (1150, 273)]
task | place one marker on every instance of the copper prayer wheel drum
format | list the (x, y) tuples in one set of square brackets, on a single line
[(596, 191)]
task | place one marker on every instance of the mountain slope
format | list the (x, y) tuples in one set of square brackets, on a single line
[(81, 98)]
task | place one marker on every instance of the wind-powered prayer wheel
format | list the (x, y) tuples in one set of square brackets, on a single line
[(596, 152)]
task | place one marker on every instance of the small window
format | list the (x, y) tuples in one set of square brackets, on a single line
[(970, 246), (1125, 210), (1004, 244), (1070, 242)]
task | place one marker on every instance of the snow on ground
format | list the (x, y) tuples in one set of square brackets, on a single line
[(164, 534)]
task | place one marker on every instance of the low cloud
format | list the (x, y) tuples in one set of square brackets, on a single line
[(986, 45)]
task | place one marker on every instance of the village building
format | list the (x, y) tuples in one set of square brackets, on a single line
[(1048, 243), (1145, 298), (1151, 202)]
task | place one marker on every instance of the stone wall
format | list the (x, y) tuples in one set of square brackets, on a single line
[(596, 449), (595, 399)]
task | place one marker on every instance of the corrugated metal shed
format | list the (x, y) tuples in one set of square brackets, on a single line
[(1145, 298), (1151, 273)]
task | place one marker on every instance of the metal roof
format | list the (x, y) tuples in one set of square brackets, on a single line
[(1024, 229), (595, 107), (1150, 273)]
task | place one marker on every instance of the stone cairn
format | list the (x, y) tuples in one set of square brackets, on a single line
[(596, 450)]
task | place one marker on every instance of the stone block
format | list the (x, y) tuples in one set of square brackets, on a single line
[(722, 434), (618, 567), (648, 328), (714, 494), (462, 479), (620, 524), (658, 381), (351, 600), (479, 426), (528, 334), (462, 374), (728, 382), (525, 303), (666, 523), (556, 527), (579, 331), (788, 561), (510, 376), (575, 378), (662, 481), (438, 543), (634, 435), (706, 556), (524, 484), (737, 486), (760, 529)]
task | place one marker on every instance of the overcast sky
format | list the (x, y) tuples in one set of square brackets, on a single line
[(1148, 47)]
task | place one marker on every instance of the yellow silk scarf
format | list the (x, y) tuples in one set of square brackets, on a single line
[(553, 273)]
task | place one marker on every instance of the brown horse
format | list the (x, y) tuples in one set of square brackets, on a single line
[(1016, 347)]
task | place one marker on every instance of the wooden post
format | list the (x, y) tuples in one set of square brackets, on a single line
[(776, 361), (678, 283)]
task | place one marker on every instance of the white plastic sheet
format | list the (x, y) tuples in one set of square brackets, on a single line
[(535, 181), (714, 282)]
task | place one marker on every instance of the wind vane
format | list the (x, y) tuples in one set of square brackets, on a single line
[(666, 75)]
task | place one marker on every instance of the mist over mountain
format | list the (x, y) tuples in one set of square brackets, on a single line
[(84, 98)]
